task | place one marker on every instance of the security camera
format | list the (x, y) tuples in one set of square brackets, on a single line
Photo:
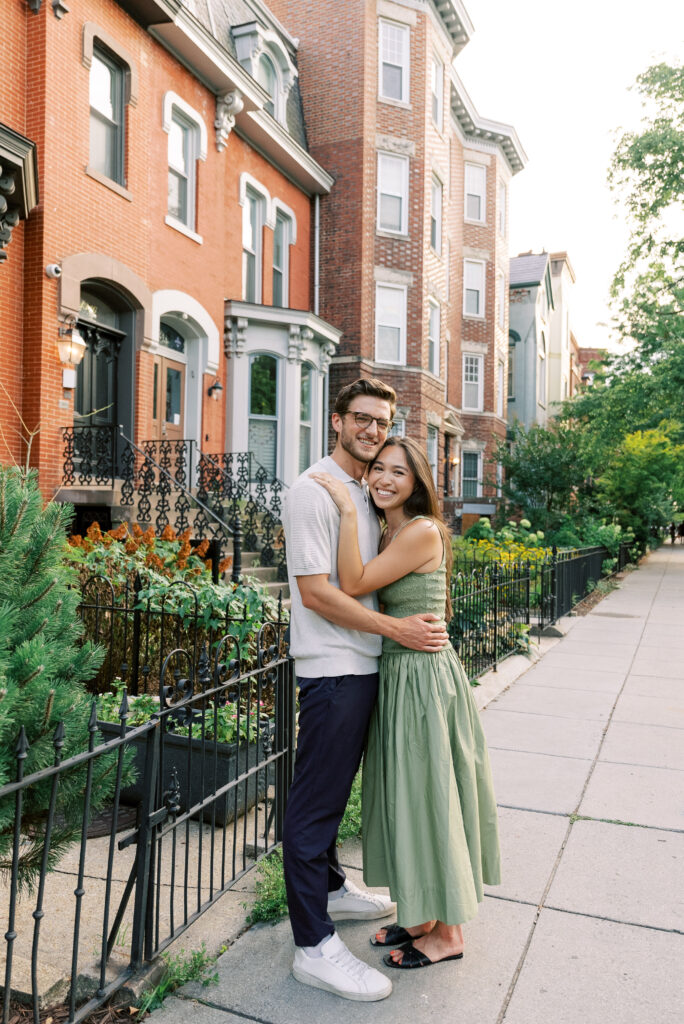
[(53, 270)]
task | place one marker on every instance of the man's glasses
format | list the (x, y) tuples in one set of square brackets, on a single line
[(363, 419)]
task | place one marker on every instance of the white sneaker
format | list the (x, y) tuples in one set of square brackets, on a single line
[(338, 970), (359, 905)]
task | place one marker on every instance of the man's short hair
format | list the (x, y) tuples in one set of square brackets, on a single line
[(365, 386)]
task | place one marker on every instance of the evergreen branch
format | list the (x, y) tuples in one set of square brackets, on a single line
[(40, 627), (23, 505), (39, 597), (33, 675)]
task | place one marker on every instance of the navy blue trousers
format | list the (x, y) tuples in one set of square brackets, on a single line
[(334, 712)]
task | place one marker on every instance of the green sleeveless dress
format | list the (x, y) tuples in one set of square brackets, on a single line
[(430, 828)]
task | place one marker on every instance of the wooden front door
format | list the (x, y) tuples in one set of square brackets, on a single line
[(168, 399)]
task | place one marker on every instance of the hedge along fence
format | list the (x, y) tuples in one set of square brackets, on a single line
[(496, 604)]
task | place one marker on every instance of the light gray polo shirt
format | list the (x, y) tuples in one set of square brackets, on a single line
[(312, 530)]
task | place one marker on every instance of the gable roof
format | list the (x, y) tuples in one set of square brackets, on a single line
[(528, 269)]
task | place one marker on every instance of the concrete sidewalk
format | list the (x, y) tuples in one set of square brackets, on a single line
[(587, 928)]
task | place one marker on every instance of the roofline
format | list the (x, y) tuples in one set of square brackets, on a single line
[(179, 32), (564, 256), (481, 129), (456, 21)]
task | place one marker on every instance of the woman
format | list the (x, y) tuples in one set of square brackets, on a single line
[(429, 813)]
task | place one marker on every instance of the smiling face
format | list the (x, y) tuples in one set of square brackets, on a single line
[(390, 479), (362, 443)]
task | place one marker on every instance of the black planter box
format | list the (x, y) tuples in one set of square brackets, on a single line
[(227, 760)]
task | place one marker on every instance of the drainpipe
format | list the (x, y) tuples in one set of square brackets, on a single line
[(317, 250)]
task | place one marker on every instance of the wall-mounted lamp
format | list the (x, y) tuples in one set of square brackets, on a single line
[(455, 460), (71, 347), (215, 389)]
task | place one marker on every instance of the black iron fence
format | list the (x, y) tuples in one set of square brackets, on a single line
[(227, 497), (197, 814), (495, 605)]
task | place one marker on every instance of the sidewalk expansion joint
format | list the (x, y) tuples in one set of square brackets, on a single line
[(535, 810), (222, 1009), (540, 753), (613, 920)]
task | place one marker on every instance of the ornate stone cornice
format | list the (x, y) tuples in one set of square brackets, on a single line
[(18, 182), (299, 337), (228, 106)]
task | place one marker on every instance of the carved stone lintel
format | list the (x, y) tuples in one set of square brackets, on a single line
[(9, 213), (235, 336), (228, 107)]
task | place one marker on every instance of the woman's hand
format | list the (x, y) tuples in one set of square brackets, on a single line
[(337, 490)]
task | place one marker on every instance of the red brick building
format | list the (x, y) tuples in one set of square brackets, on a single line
[(414, 234), (160, 210)]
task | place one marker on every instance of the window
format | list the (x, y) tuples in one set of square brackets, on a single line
[(267, 77), (475, 191), (263, 411), (436, 216), (390, 323), (305, 417), (473, 287), (447, 269), (499, 479), (282, 236), (433, 339), (470, 479), (541, 386), (511, 373), (437, 89), (394, 61), (107, 124), (502, 208), (501, 278), (472, 382), (398, 429), (252, 231), (433, 450), (182, 171), (500, 391), (393, 193)]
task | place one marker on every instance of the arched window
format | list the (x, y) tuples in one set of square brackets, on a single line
[(263, 411), (268, 79)]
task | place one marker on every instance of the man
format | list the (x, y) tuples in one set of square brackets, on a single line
[(336, 642)]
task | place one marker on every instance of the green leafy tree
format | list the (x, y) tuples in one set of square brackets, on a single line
[(645, 482), (44, 709), (544, 472)]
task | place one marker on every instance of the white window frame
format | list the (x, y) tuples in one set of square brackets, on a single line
[(434, 333), (499, 479), (471, 360), (398, 428), (432, 447), (437, 92), (174, 107), (383, 25), (477, 188), (385, 160), (467, 263), (500, 389), (502, 198), (436, 200), (501, 281), (307, 425), (260, 417), (257, 252), (478, 480), (281, 217), (401, 294)]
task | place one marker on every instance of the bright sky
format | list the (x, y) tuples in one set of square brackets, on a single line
[(560, 72)]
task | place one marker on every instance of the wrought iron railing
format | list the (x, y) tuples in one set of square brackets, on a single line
[(173, 482), (206, 812)]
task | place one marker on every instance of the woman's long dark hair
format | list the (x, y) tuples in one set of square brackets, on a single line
[(423, 500)]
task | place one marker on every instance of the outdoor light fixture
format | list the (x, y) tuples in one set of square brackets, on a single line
[(215, 390), (71, 347)]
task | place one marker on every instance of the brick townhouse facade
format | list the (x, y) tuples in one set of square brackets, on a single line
[(161, 219), (414, 264)]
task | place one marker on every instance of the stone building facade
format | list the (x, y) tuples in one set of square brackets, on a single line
[(414, 263)]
